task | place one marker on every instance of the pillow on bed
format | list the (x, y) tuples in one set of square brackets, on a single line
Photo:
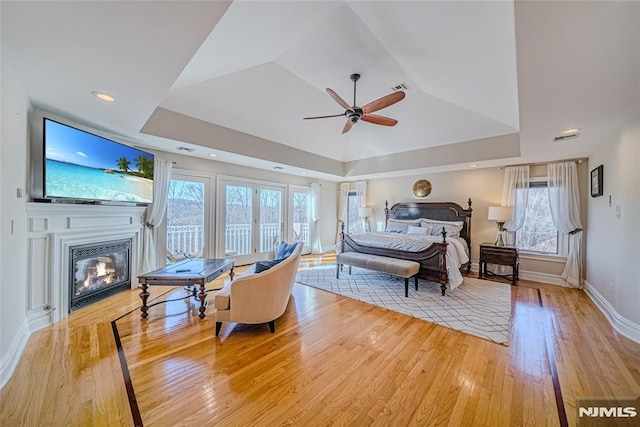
[(401, 225), (453, 228), (425, 231)]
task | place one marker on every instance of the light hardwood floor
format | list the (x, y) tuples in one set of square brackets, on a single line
[(332, 361)]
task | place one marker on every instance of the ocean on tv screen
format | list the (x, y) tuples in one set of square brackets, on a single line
[(75, 181)]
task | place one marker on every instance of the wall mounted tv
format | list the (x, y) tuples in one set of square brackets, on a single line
[(82, 166)]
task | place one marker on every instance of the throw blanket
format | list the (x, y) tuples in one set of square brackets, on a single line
[(456, 249)]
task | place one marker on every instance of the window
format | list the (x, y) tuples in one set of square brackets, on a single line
[(538, 233), (354, 222)]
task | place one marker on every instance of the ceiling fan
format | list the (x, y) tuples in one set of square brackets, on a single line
[(355, 113)]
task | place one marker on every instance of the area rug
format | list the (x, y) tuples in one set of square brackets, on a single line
[(476, 307)]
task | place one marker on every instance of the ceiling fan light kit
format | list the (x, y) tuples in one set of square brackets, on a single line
[(354, 113)]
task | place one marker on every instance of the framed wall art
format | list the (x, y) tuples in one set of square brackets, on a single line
[(597, 181)]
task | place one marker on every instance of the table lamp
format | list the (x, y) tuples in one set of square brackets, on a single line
[(500, 214), (365, 213)]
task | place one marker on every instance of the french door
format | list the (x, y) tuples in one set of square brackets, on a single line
[(187, 221), (300, 216), (251, 219)]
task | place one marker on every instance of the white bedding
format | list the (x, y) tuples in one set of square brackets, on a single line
[(456, 250)]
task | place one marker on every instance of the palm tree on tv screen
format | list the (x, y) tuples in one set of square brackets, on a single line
[(145, 166), (123, 164)]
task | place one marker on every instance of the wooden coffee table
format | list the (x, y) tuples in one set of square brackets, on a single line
[(190, 271)]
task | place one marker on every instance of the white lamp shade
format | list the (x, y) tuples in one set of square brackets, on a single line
[(500, 213), (364, 212)]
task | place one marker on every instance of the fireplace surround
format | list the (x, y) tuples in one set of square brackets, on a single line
[(54, 230)]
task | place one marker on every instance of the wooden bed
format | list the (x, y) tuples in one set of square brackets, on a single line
[(433, 259)]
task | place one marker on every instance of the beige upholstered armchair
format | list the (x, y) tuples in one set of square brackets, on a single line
[(255, 298)]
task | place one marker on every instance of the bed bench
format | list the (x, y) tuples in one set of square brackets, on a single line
[(394, 266)]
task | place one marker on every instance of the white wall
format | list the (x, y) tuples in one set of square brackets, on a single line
[(328, 189), (613, 243), (13, 245)]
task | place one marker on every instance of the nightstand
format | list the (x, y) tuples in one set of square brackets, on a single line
[(501, 255)]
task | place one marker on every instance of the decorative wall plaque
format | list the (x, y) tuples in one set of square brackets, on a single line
[(422, 188)]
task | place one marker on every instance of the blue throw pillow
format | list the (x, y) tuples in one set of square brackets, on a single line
[(285, 250), (265, 265)]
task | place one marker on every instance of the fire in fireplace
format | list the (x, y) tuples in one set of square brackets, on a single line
[(98, 271)]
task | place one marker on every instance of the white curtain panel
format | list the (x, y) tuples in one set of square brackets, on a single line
[(342, 207), (515, 178), (361, 193), (564, 200), (515, 196), (316, 241), (155, 213)]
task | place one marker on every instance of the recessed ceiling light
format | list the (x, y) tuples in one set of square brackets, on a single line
[(103, 96), (213, 155), (574, 130), (473, 165)]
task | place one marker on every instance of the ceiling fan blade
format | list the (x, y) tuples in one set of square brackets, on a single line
[(339, 100), (323, 117), (383, 102), (379, 120), (347, 127)]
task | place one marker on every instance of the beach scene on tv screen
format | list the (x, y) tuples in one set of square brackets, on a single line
[(79, 165)]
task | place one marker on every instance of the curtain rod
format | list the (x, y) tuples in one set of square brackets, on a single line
[(578, 160)]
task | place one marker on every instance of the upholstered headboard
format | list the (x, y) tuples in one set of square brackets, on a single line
[(444, 211)]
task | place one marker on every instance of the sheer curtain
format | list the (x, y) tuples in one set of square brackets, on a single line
[(516, 178), (316, 241), (564, 200), (342, 208), (361, 197), (361, 193), (515, 196), (155, 213)]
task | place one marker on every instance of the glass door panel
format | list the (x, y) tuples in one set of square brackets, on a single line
[(300, 208), (238, 220), (186, 219), (271, 221)]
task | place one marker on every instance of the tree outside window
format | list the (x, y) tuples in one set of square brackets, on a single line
[(538, 233), (354, 222)]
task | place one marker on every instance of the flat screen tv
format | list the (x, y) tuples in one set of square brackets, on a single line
[(79, 165)]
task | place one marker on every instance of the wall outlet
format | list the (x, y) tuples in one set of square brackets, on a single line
[(610, 286)]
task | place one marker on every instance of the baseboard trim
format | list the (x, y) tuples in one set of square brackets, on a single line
[(620, 323), (552, 279), (12, 356), (534, 276)]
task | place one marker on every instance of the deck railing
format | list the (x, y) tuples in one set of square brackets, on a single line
[(188, 239)]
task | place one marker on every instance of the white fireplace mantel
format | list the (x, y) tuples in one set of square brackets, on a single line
[(52, 229)]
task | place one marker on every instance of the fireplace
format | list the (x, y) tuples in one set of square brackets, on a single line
[(97, 271)]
